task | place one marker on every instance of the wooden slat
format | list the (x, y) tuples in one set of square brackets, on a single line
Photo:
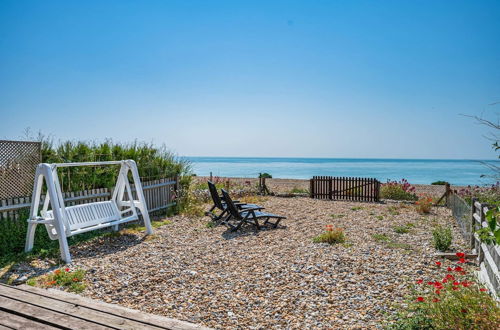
[(45, 316), (13, 321), (155, 320), (70, 309)]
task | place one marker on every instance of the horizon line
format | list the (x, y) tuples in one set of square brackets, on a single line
[(356, 158)]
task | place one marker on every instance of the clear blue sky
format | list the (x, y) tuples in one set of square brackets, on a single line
[(255, 78)]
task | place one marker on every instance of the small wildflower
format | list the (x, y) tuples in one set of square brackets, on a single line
[(420, 299), (438, 263)]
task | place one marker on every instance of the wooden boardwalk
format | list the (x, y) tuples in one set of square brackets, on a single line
[(25, 307)]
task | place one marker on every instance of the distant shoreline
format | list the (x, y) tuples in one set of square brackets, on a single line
[(284, 186)]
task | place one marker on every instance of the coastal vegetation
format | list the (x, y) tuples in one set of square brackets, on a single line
[(331, 235), (398, 190), (453, 300), (442, 238)]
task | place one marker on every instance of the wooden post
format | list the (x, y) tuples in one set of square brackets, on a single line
[(330, 189), (211, 178), (311, 188)]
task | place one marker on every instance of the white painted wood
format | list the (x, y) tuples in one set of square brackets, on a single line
[(64, 221)]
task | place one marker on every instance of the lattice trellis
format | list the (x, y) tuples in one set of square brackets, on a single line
[(18, 161)]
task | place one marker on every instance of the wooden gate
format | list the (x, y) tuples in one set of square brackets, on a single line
[(345, 188)]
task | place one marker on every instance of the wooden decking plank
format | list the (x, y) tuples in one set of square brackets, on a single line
[(13, 321), (46, 316), (68, 308), (128, 313)]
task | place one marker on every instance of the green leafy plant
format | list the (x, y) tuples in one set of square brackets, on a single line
[(424, 204), (403, 229), (357, 208), (297, 190), (491, 233), (381, 237), (331, 235), (395, 190), (265, 175), (442, 238), (70, 280), (454, 302)]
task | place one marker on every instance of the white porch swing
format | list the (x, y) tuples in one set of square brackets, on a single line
[(64, 221)]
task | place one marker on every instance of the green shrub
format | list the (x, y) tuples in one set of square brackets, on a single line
[(153, 162), (265, 175), (297, 190), (439, 183), (331, 236), (454, 302), (395, 190), (70, 280), (442, 238)]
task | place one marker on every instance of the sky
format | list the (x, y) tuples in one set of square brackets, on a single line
[(360, 79)]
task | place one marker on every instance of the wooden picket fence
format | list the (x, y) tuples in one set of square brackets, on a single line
[(488, 255), (159, 195), (345, 188)]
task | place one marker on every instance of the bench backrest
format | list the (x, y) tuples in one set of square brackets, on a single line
[(91, 214)]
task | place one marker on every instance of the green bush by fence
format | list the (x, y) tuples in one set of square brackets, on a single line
[(153, 162)]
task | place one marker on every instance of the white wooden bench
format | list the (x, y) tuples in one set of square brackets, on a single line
[(64, 221)]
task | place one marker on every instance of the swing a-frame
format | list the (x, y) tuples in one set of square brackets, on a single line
[(64, 221)]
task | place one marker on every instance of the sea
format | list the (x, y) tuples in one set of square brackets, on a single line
[(416, 171)]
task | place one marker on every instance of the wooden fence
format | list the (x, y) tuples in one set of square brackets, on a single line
[(159, 195), (488, 255), (345, 188)]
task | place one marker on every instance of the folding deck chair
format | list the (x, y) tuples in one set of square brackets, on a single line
[(248, 215), (219, 203)]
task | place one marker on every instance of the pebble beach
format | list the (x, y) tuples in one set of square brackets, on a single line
[(275, 278)]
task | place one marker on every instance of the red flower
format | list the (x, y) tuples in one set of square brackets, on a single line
[(450, 277), (420, 299), (438, 263), (483, 290), (464, 310), (460, 254), (444, 280), (458, 269), (461, 261), (438, 291), (455, 288), (67, 269), (435, 300), (456, 283), (419, 281), (75, 279), (466, 284), (57, 271), (449, 269), (430, 283)]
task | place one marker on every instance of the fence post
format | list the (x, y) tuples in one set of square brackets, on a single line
[(330, 189), (311, 188), (447, 193), (211, 176), (473, 224)]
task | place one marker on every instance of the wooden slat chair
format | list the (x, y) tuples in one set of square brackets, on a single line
[(220, 203), (249, 215)]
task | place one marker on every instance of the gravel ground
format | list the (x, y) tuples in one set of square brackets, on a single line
[(276, 278)]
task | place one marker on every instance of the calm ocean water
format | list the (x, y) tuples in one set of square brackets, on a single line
[(457, 172)]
